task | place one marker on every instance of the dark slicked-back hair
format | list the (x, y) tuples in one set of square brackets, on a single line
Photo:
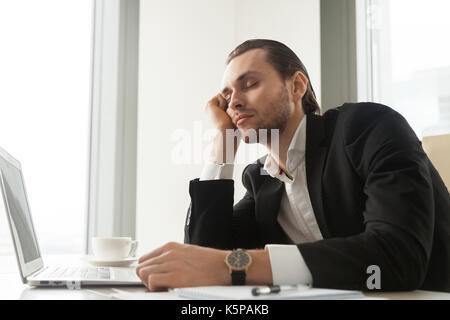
[(285, 61)]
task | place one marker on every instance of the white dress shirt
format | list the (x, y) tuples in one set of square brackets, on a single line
[(295, 216)]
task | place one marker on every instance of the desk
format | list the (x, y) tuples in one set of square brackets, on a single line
[(12, 288)]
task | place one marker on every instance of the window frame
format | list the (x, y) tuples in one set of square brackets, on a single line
[(338, 52), (113, 137), (348, 61)]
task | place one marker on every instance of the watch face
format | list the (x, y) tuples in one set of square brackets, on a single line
[(238, 259)]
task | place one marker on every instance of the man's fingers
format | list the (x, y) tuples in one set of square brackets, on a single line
[(159, 276), (169, 252), (217, 101), (212, 103), (158, 251), (163, 258), (222, 102), (155, 253), (144, 272), (159, 281)]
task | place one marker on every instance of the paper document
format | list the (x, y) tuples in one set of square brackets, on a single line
[(245, 293), (231, 293), (134, 294)]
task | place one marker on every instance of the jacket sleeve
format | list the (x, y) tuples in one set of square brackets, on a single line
[(213, 221), (398, 214)]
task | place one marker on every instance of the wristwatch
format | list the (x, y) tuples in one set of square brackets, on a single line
[(238, 262)]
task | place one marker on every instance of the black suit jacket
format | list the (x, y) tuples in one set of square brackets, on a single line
[(376, 196)]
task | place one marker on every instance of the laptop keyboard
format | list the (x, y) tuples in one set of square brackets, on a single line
[(87, 273)]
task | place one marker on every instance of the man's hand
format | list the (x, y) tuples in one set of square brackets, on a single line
[(176, 265), (219, 113), (224, 146)]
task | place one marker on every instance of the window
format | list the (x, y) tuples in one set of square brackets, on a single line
[(45, 64), (410, 60)]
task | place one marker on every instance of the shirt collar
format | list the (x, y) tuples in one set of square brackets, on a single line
[(295, 155)]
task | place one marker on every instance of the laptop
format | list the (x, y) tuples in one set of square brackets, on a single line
[(26, 245)]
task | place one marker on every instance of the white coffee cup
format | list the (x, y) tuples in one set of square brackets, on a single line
[(113, 248)]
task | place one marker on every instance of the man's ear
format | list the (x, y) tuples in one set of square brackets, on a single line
[(299, 85)]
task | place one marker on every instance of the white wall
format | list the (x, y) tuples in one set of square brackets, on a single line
[(183, 48)]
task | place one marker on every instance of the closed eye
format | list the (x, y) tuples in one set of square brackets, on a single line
[(252, 85)]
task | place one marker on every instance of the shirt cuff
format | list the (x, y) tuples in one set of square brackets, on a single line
[(288, 266), (214, 171)]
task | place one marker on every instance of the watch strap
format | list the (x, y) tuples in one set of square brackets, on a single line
[(238, 278)]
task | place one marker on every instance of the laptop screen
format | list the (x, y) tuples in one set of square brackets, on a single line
[(17, 209)]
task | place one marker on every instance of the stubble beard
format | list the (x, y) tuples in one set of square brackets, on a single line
[(275, 118)]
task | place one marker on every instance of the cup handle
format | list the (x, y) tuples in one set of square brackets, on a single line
[(134, 245)]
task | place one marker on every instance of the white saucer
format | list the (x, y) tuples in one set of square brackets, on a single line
[(111, 263)]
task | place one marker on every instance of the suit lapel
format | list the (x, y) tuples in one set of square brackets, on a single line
[(315, 155)]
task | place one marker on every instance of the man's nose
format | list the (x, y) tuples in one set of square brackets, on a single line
[(236, 103)]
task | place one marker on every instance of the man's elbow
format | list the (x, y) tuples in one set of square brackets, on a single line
[(403, 260), (408, 270)]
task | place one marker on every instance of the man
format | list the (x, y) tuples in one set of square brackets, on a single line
[(337, 195)]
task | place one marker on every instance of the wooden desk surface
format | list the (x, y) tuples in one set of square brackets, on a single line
[(12, 288)]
